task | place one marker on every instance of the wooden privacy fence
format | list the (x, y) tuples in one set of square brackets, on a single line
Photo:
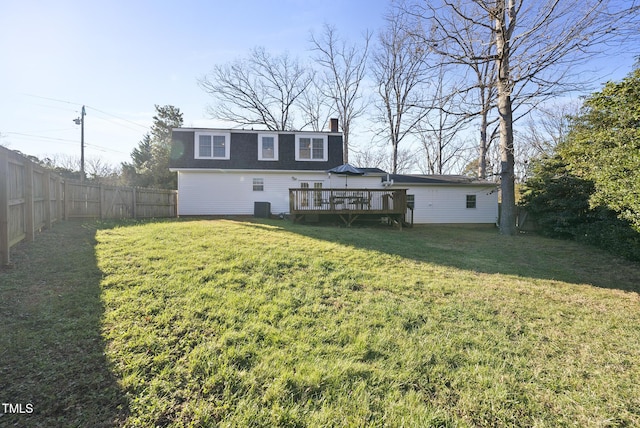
[(33, 198), (82, 200)]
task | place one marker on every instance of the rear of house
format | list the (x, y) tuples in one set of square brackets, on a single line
[(449, 199), (226, 172)]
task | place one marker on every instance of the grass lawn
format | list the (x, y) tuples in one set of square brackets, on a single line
[(266, 323)]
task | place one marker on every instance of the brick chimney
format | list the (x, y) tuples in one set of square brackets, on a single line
[(333, 125)]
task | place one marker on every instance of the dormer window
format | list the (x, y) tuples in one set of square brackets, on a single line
[(212, 145), (268, 147), (311, 148)]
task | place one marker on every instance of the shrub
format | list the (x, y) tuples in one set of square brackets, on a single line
[(560, 202)]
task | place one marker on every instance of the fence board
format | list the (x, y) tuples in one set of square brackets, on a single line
[(33, 198), (4, 207), (16, 200), (39, 201)]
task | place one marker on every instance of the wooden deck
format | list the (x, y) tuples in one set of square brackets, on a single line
[(350, 204)]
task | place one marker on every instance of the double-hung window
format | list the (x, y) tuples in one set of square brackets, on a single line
[(471, 201), (212, 145), (268, 147), (411, 201), (311, 148), (258, 184)]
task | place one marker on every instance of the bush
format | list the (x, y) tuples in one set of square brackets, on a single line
[(560, 204), (610, 233)]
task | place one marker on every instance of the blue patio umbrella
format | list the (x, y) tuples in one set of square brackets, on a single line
[(346, 170)]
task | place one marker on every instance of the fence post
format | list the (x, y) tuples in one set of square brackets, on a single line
[(101, 203), (134, 209), (4, 207), (174, 202), (29, 220), (58, 196)]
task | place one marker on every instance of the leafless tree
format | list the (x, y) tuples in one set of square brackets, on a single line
[(99, 170), (548, 126), (377, 156), (463, 50), (66, 162), (537, 47), (401, 76), (544, 129), (316, 109), (96, 168), (485, 90), (258, 90), (440, 128), (343, 70), (371, 157)]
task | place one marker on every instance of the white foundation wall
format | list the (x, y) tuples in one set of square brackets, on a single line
[(448, 204), (231, 192)]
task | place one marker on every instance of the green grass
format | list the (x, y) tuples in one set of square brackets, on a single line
[(51, 346), (246, 323)]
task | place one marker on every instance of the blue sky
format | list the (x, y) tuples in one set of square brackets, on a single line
[(120, 57)]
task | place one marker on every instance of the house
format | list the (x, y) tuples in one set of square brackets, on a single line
[(233, 172), (453, 199)]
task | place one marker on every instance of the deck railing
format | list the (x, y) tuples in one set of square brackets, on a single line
[(347, 201)]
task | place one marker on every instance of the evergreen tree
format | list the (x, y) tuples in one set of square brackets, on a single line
[(604, 146), (150, 160), (589, 189), (137, 173)]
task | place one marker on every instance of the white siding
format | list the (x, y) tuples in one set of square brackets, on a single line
[(231, 193), (448, 204)]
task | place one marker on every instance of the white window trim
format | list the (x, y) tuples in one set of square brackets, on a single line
[(258, 182), (275, 147), (227, 146), (325, 147)]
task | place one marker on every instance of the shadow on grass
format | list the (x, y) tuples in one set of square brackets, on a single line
[(484, 250), (477, 249), (52, 354), (53, 367)]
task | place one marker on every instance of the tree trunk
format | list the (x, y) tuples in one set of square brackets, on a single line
[(482, 152), (507, 182), (395, 158), (345, 142)]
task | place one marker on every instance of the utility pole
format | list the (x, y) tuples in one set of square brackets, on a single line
[(80, 121)]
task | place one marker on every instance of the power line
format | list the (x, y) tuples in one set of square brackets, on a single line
[(42, 137), (53, 99), (116, 123), (56, 130), (105, 148), (117, 117), (61, 140), (55, 107), (78, 121), (92, 108)]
